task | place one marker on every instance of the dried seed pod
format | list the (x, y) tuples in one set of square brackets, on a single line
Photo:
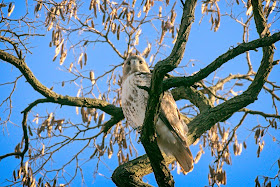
[(110, 153), (63, 57), (92, 77), (80, 60), (85, 59), (91, 111), (95, 116), (136, 42), (139, 14), (43, 150), (11, 9), (71, 66), (160, 12), (197, 157), (84, 115), (118, 32), (249, 10)]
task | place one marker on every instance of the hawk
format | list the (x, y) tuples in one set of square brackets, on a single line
[(170, 128)]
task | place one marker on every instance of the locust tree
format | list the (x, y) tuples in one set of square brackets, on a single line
[(79, 116)]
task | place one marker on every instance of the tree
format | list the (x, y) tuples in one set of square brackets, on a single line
[(211, 97)]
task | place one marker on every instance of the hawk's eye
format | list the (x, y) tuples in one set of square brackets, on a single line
[(141, 62), (128, 63)]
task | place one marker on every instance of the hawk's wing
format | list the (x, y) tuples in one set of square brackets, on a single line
[(170, 116)]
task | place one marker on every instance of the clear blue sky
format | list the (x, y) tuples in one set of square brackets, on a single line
[(203, 45)]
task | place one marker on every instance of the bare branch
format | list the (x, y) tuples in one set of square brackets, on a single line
[(218, 62)]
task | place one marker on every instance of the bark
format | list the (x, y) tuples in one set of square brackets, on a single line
[(209, 116), (218, 62), (148, 138)]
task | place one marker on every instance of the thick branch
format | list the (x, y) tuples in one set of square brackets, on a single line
[(210, 117), (196, 97), (131, 173), (148, 139), (53, 96), (223, 111)]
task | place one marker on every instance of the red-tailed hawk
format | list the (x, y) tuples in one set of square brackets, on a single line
[(170, 129)]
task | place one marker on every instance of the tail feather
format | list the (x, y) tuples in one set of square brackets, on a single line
[(184, 156), (172, 144)]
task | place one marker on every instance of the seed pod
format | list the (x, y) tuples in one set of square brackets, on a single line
[(92, 78), (70, 67), (11, 9)]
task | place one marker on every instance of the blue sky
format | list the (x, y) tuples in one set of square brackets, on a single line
[(203, 46)]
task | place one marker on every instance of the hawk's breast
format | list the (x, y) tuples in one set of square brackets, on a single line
[(134, 99)]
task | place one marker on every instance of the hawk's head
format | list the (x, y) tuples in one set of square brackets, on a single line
[(134, 64)]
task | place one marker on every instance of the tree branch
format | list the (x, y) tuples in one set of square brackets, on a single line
[(55, 97), (210, 117), (194, 96), (148, 139), (218, 62)]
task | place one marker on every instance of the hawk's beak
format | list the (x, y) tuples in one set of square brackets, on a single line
[(135, 66)]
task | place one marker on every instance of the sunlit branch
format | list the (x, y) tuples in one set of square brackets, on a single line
[(53, 96), (218, 62), (161, 172)]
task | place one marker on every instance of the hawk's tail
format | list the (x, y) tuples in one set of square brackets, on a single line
[(184, 156)]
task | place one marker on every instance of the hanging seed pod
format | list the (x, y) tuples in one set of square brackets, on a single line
[(85, 59), (160, 12), (95, 116), (118, 32), (43, 150), (92, 77), (11, 9), (84, 115), (71, 66), (80, 60), (63, 57)]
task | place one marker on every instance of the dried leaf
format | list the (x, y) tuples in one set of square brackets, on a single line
[(92, 77), (11, 9), (244, 145), (36, 119), (197, 157), (26, 167), (118, 32), (79, 91), (136, 42), (80, 60), (110, 153), (30, 131), (84, 115), (257, 133), (95, 116), (70, 67), (43, 150), (63, 57), (14, 175), (85, 58), (77, 110), (139, 14), (257, 182), (249, 10), (91, 111), (57, 49), (203, 8)]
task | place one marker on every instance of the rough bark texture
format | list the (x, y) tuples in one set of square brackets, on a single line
[(148, 138), (209, 116), (130, 174), (218, 62)]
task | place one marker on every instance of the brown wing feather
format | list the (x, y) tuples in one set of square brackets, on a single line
[(169, 115)]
